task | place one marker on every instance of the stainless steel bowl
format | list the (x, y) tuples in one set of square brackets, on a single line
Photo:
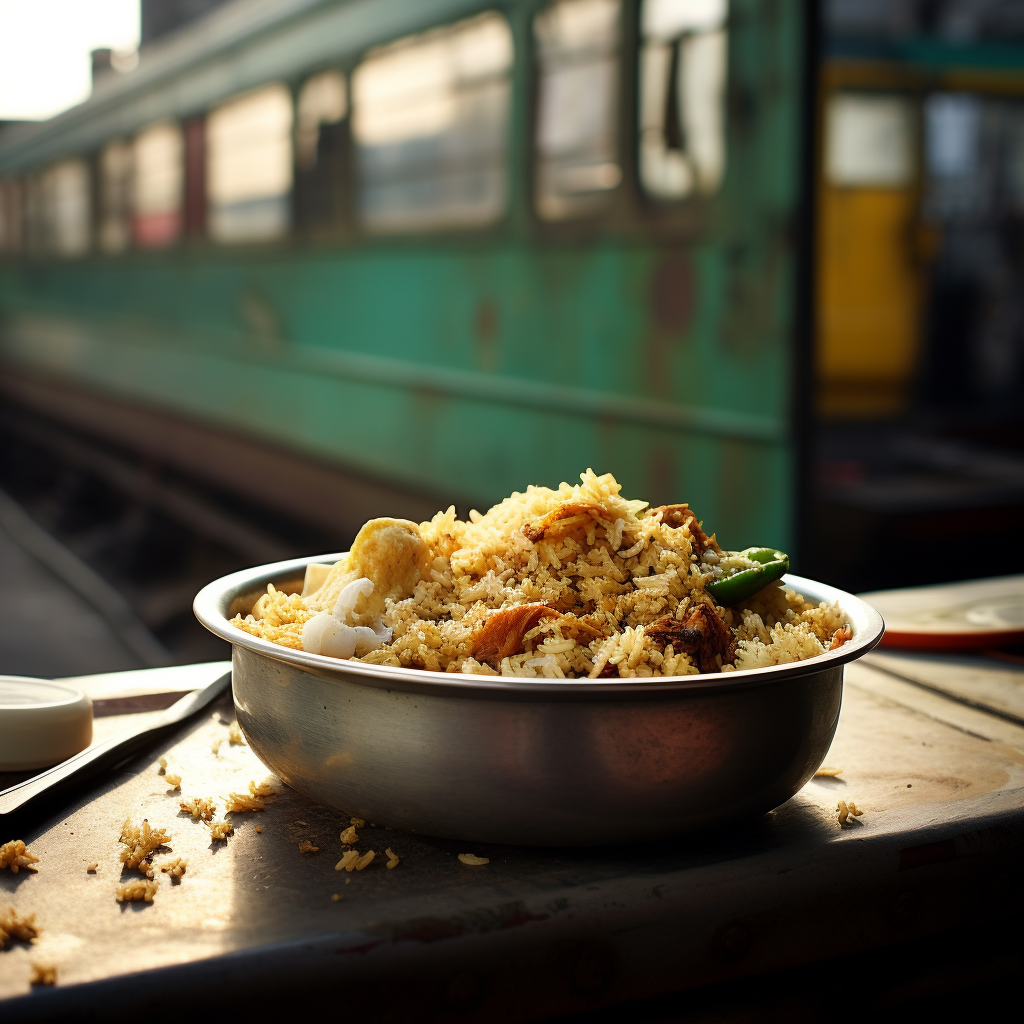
[(523, 761)]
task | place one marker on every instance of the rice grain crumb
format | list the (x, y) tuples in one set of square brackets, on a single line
[(43, 974), (365, 860), (348, 861), (307, 847), (393, 857), (174, 868), (235, 734), (358, 822), (163, 766), (91, 868), (16, 926), (847, 811), (350, 835), (16, 855), (137, 890), (200, 807), (221, 829), (174, 781), (254, 800), (140, 843), (335, 896), (825, 772), (473, 860)]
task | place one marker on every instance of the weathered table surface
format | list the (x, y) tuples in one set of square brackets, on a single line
[(939, 776)]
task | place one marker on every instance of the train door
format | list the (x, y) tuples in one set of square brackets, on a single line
[(869, 273)]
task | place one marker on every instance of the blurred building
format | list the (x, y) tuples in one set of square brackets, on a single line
[(159, 17)]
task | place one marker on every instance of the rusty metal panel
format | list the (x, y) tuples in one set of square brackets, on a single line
[(470, 366)]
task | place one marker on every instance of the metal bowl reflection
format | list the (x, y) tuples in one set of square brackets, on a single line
[(536, 762)]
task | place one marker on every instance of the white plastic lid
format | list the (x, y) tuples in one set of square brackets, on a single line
[(41, 723)]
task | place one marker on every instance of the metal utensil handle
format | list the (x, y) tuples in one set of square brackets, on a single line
[(104, 755)]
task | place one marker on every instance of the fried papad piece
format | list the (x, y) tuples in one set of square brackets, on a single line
[(678, 516), (388, 552), (702, 634)]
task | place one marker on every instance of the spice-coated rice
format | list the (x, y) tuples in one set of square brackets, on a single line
[(549, 583)]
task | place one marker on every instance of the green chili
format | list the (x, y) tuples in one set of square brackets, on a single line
[(745, 583)]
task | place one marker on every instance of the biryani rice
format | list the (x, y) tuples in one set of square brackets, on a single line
[(604, 568)]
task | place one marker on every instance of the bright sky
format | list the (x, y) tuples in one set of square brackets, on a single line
[(44, 51)]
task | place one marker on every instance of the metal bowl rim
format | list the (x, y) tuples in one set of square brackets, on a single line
[(212, 602)]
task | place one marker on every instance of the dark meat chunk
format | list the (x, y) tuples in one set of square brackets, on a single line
[(502, 634), (702, 635), (678, 516)]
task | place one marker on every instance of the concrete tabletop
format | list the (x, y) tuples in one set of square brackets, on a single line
[(533, 933)]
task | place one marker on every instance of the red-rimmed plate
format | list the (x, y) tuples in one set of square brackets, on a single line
[(953, 616)]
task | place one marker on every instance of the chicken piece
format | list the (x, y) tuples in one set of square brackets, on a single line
[(702, 634), (388, 552), (678, 516), (502, 634)]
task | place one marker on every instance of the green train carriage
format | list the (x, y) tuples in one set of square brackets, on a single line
[(364, 258)]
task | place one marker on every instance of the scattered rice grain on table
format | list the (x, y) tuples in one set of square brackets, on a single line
[(305, 846), (221, 829), (140, 843), (235, 734), (17, 926), (200, 807), (846, 811), (43, 974), (174, 781), (563, 583), (473, 860), (393, 858), (91, 868), (825, 772), (137, 890), (348, 861), (365, 860), (350, 835), (16, 855), (174, 868), (254, 800)]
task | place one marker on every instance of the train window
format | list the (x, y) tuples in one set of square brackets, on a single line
[(66, 208), (157, 184), (115, 196), (320, 147), (430, 126), (869, 140), (323, 101), (682, 96), (10, 216), (249, 166), (577, 149)]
